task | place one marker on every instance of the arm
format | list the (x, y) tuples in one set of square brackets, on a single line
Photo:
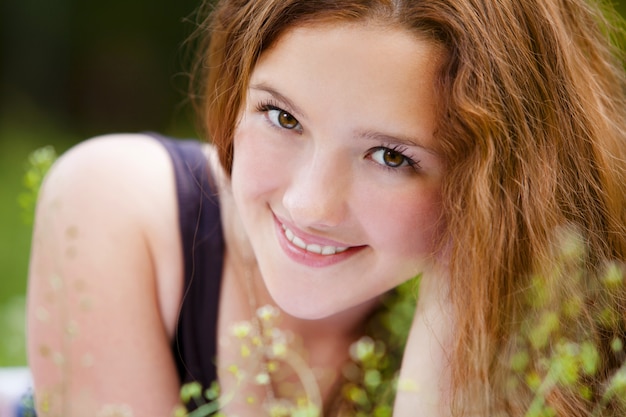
[(424, 377), (105, 281)]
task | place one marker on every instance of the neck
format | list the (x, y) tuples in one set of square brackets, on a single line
[(324, 342), (347, 325)]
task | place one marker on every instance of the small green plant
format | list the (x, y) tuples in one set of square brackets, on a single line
[(263, 343), (573, 332), (38, 164), (369, 379)]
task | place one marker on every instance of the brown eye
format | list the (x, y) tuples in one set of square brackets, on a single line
[(283, 119), (287, 121), (392, 158)]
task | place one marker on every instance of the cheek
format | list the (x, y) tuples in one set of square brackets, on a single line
[(256, 165), (408, 225)]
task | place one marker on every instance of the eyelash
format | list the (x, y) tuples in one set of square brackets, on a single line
[(400, 150), (270, 105)]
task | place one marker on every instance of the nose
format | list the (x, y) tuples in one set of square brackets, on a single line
[(317, 195)]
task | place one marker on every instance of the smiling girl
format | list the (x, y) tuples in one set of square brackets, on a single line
[(354, 145)]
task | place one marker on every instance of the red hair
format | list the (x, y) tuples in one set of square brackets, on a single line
[(532, 127)]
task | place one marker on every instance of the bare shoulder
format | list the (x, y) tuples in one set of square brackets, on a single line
[(105, 278), (124, 182), (119, 162)]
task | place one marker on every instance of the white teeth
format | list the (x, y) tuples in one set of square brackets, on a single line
[(328, 250), (298, 242), (314, 248)]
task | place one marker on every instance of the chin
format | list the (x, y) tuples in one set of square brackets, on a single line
[(304, 307), (330, 310)]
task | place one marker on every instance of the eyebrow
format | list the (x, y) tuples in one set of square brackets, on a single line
[(395, 139), (293, 108)]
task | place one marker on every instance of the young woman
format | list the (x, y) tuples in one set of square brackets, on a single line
[(355, 144)]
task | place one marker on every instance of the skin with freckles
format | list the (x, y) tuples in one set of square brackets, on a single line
[(337, 184)]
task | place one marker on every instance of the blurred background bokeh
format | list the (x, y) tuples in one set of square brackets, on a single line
[(69, 70)]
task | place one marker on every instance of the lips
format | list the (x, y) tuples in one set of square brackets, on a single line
[(312, 251)]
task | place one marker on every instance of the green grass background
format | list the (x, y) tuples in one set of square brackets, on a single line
[(17, 141), (23, 128)]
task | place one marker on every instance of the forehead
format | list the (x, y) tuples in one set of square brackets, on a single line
[(332, 50), (361, 70), (354, 39)]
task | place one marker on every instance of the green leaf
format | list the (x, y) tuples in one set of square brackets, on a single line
[(213, 392), (540, 334), (37, 166), (617, 345), (565, 365), (189, 391), (382, 411), (589, 357), (372, 378), (519, 361)]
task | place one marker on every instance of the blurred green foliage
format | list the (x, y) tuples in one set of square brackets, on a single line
[(16, 143), (39, 163)]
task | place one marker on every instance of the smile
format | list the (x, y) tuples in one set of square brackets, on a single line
[(311, 247)]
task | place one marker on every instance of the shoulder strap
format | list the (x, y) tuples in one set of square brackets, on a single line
[(195, 346)]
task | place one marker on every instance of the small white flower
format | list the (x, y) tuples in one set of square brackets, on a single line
[(242, 329), (267, 312), (262, 379)]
